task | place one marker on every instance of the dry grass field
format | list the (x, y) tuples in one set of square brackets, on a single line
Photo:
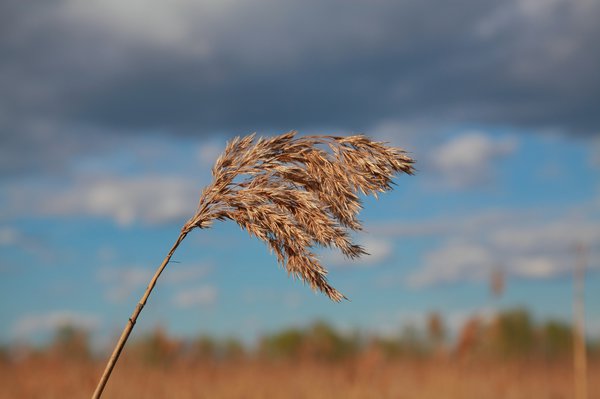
[(510, 357), (364, 378)]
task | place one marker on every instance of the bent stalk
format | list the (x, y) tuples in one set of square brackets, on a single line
[(131, 322)]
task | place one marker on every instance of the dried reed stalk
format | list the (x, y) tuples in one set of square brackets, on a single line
[(579, 346), (294, 193)]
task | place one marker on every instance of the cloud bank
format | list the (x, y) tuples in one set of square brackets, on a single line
[(75, 74), (517, 245)]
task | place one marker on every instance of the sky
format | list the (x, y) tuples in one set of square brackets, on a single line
[(113, 112)]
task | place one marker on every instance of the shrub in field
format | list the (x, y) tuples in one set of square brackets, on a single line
[(204, 348), (286, 344), (320, 341), (513, 333), (324, 342), (436, 332), (71, 343), (156, 348)]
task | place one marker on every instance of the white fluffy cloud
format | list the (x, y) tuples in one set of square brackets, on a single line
[(526, 248), (595, 153), (205, 295), (208, 152), (467, 160), (122, 282), (49, 322), (8, 236), (456, 260), (379, 250), (148, 199), (157, 23)]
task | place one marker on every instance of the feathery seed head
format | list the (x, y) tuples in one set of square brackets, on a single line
[(296, 193)]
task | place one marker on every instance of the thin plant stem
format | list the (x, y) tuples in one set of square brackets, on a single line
[(579, 350), (131, 322)]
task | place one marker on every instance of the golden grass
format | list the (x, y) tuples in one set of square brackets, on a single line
[(366, 378)]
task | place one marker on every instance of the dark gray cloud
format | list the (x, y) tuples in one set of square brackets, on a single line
[(71, 68)]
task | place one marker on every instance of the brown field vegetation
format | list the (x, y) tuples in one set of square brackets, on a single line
[(507, 357), (364, 378)]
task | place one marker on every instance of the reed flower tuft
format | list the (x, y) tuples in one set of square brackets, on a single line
[(296, 193)]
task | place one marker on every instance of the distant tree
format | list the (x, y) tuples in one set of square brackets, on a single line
[(4, 353), (556, 339), (71, 342), (325, 343), (412, 341), (594, 347), (232, 349), (436, 332), (319, 341), (157, 348), (286, 344), (513, 334), (204, 348), (388, 348)]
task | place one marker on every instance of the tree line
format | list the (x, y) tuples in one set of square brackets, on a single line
[(510, 334)]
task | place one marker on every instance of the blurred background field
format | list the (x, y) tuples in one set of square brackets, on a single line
[(507, 356), (251, 379)]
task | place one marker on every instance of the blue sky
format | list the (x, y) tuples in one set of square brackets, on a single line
[(111, 123)]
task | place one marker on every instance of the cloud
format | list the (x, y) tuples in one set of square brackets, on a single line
[(209, 152), (205, 295), (521, 247), (9, 236), (559, 233), (180, 274), (594, 159), (466, 160), (80, 74), (151, 199), (448, 224), (453, 261), (379, 250), (122, 282), (29, 325)]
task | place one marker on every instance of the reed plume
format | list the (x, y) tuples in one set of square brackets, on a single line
[(294, 193)]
